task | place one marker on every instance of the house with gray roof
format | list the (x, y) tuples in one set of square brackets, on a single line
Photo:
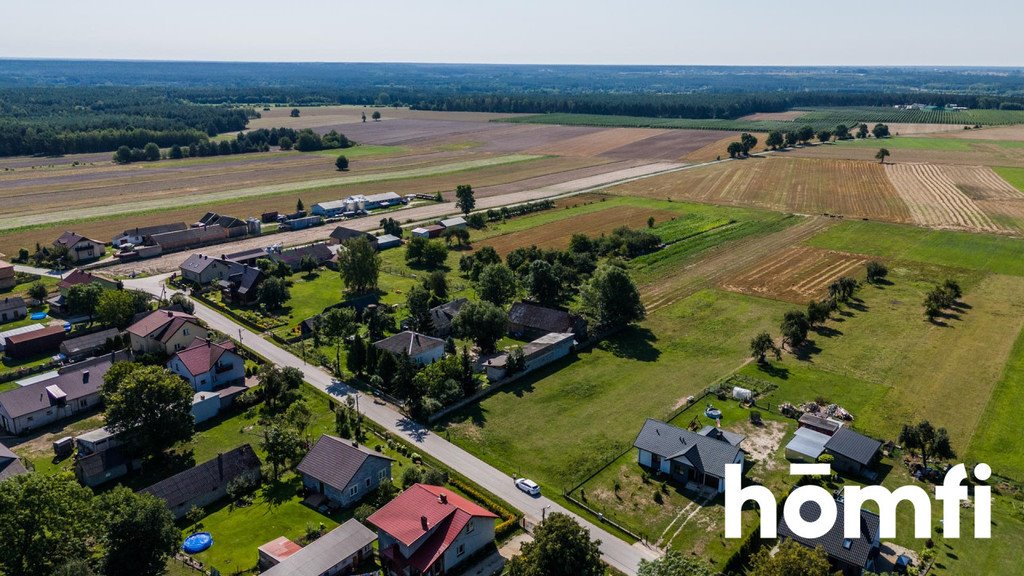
[(420, 348), (531, 320), (10, 464), (343, 471), (206, 483), (697, 458), (340, 551), (75, 349), (12, 308), (854, 452), (852, 556)]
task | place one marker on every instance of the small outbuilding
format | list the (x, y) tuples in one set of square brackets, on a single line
[(420, 348)]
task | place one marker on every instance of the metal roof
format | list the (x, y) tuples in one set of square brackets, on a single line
[(853, 445), (326, 552), (810, 443), (709, 455)]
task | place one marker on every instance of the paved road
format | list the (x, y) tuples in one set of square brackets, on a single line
[(616, 552), (39, 271)]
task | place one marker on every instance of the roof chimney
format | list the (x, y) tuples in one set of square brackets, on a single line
[(442, 498), (423, 522), (220, 465), (85, 376), (169, 313)]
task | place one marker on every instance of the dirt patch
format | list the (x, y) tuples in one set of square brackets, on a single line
[(762, 442), (981, 153), (934, 200), (1015, 132), (799, 274)]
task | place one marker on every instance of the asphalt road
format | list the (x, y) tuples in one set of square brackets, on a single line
[(617, 553)]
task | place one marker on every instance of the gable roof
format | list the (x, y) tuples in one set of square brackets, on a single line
[(326, 551), (78, 276), (320, 252), (704, 453), (206, 477), (198, 263), (335, 462), (853, 445), (402, 517), (540, 317), (860, 550), (75, 381), (69, 239), (441, 316), (89, 341), (12, 303), (44, 332), (409, 342), (341, 234), (98, 463), (202, 355), (449, 222), (161, 324), (245, 279), (10, 464), (144, 231)]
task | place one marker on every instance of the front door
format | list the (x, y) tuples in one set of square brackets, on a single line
[(320, 487)]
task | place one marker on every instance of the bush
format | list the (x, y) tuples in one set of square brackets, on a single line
[(362, 512)]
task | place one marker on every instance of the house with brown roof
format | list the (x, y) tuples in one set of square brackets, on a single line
[(343, 471), (319, 252), (208, 365), (144, 234), (27, 344), (75, 389), (12, 308), (80, 248), (208, 482), (531, 320), (76, 277), (430, 530), (7, 276), (164, 332), (420, 348), (341, 234)]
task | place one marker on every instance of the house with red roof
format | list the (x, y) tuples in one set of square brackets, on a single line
[(164, 332), (79, 247), (428, 530), (208, 365)]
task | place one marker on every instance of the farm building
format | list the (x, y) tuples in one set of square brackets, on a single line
[(344, 473), (247, 257), (341, 234), (531, 320), (144, 235), (206, 483), (340, 551), (807, 444), (540, 352), (430, 530), (164, 332), (319, 252), (101, 467), (80, 248), (432, 231), (441, 317), (334, 208), (302, 223), (43, 341), (95, 441), (269, 217), (240, 286), (8, 333), (233, 227), (82, 347), (10, 464), (847, 555), (208, 366), (854, 452), (8, 278), (205, 405), (12, 308), (420, 348), (688, 457), (457, 222), (188, 238), (76, 388), (385, 241), (826, 426)]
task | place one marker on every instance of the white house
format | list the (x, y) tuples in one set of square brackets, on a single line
[(208, 366)]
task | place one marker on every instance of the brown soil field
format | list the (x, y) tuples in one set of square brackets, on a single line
[(596, 143), (670, 145), (799, 274), (574, 169), (317, 116), (717, 149), (1015, 132), (983, 155), (911, 129), (557, 234), (786, 116), (935, 200), (857, 189)]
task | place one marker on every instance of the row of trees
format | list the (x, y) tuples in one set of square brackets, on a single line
[(787, 139)]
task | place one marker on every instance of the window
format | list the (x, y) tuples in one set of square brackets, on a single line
[(461, 550), (186, 332), (469, 527), (382, 474), (353, 490), (847, 544), (367, 482), (83, 403)]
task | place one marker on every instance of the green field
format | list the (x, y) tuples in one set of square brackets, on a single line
[(915, 143), (1014, 176), (995, 441), (609, 121), (362, 151), (868, 114)]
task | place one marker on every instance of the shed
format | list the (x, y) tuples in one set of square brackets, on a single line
[(806, 445), (385, 241), (90, 344), (44, 340)]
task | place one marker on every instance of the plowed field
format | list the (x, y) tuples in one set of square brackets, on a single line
[(936, 201), (799, 274)]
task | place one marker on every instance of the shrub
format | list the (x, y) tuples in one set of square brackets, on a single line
[(362, 512)]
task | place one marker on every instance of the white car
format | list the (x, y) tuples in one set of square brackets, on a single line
[(528, 486)]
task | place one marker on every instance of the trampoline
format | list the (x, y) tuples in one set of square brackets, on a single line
[(197, 542), (38, 315)]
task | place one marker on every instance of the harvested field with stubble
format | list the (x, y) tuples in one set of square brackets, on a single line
[(935, 200), (799, 274), (958, 151), (596, 143), (855, 189)]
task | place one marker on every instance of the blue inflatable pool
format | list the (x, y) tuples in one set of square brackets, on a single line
[(38, 315), (197, 542)]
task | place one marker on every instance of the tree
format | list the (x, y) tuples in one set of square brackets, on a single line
[(299, 206), (748, 141), (355, 361), (842, 132), (337, 324), (805, 133), (794, 328), (842, 289), (543, 283), (496, 284), (791, 559), (176, 153), (927, 440), (818, 312), (46, 520), (482, 322), (464, 199), (282, 445), (341, 163), (278, 387), (734, 149), (610, 299), (308, 264), (84, 298), (423, 252), (560, 547), (882, 154), (118, 307), (876, 271), (359, 264), (298, 416), (151, 408), (791, 138), (151, 152), (295, 113), (952, 290), (673, 564), (123, 155), (824, 136), (880, 131), (140, 533), (774, 140), (417, 300), (378, 322), (376, 116), (38, 291), (285, 143), (436, 283), (862, 131), (180, 300), (762, 345), (391, 226), (272, 293)]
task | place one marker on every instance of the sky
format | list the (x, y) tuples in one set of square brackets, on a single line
[(661, 32)]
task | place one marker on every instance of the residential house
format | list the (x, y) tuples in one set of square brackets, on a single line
[(202, 269), (540, 352), (431, 531), (441, 317), (247, 257), (342, 471), (106, 466), (144, 234), (531, 320), (80, 248), (240, 286), (12, 308), (11, 466), (432, 231), (854, 452), (164, 332), (340, 551), (851, 556), (320, 252), (75, 349), (697, 459), (457, 222), (342, 234), (76, 277), (385, 241), (208, 482), (208, 366), (8, 278), (420, 348), (46, 340), (75, 389)]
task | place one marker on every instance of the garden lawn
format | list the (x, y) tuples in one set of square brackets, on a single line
[(565, 421)]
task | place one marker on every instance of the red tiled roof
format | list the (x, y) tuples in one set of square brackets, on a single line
[(402, 517), (158, 320), (438, 542), (202, 355), (280, 549), (77, 277)]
